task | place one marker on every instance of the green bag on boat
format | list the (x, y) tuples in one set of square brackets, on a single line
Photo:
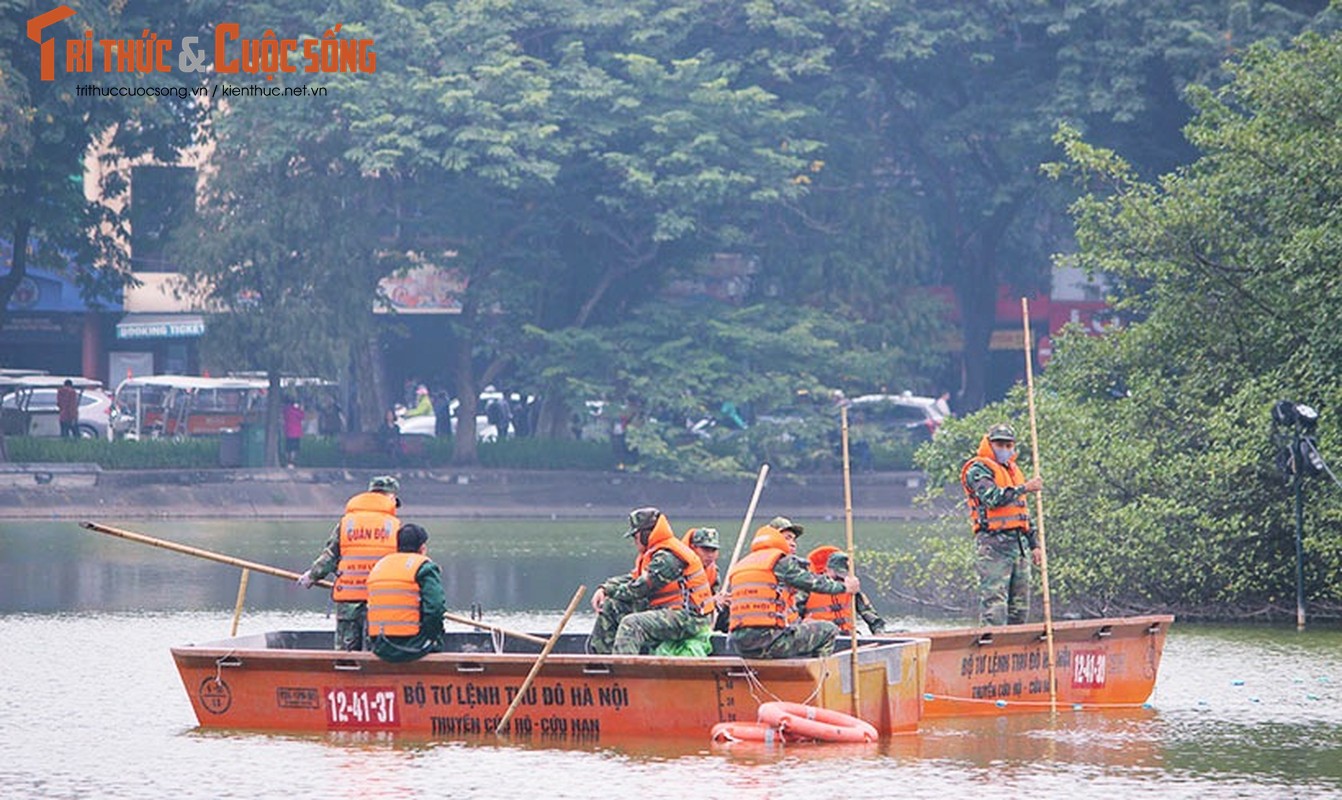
[(698, 646)]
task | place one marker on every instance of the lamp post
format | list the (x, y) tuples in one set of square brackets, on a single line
[(1303, 458)]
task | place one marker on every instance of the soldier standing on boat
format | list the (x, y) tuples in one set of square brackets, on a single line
[(996, 489), (667, 599), (832, 562), (763, 587), (365, 534), (405, 600)]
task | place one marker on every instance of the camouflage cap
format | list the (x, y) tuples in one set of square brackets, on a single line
[(785, 524), (384, 483), (704, 537), (642, 519), (838, 561), (1001, 432)]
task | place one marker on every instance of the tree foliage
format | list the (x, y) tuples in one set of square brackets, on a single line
[(46, 134), (1160, 455)]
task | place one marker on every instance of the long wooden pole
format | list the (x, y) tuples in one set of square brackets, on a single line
[(242, 596), (1039, 508), (750, 514), (209, 555), (540, 660), (852, 554)]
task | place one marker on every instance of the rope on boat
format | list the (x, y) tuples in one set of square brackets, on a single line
[(753, 681), (219, 666), (1031, 703), (496, 638)]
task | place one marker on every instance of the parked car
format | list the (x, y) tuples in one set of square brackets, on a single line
[(28, 407), (427, 425), (917, 415)]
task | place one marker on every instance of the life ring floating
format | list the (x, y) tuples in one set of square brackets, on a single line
[(747, 732), (801, 721)]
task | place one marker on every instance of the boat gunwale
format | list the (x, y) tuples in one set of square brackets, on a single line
[(869, 650)]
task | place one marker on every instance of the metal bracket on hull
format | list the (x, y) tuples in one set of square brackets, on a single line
[(893, 660)]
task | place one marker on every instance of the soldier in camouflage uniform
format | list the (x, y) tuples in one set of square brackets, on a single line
[(995, 488), (627, 621), (751, 635), (705, 544), (836, 565), (350, 616)]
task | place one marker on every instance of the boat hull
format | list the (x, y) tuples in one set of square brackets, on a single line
[(1101, 663), (286, 681)]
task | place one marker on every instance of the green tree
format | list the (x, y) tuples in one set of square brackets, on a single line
[(46, 134), (285, 247), (567, 169), (1162, 484)]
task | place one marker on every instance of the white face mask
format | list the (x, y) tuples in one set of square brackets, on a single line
[(1003, 454)]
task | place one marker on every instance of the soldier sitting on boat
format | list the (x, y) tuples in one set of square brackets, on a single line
[(405, 600), (667, 598), (705, 544), (762, 587), (832, 562)]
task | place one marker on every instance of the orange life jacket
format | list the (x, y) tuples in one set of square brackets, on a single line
[(831, 607), (1014, 516), (691, 590), (758, 598), (367, 533), (393, 595)]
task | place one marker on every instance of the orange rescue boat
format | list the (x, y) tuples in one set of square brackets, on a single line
[(1101, 663), (294, 681)]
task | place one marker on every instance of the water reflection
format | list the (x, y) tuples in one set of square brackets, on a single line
[(503, 565), (87, 620)]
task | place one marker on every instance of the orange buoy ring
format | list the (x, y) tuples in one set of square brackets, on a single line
[(797, 720), (747, 732)]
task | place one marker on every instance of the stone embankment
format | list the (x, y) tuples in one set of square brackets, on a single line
[(82, 491)]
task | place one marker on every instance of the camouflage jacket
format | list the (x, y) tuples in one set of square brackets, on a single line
[(864, 610), (663, 568)]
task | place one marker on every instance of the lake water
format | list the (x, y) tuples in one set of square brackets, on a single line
[(91, 705)]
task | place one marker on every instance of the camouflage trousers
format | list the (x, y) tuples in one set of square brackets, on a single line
[(641, 631), (608, 622), (805, 639), (351, 619), (1004, 579)]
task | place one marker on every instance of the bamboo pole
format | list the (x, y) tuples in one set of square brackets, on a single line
[(540, 661), (852, 555), (242, 595), (745, 523), (1039, 509), (209, 555)]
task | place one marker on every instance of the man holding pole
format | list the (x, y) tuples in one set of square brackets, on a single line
[(365, 534), (763, 588), (995, 488)]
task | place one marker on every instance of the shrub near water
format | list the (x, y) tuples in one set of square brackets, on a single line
[(317, 451), (145, 454)]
